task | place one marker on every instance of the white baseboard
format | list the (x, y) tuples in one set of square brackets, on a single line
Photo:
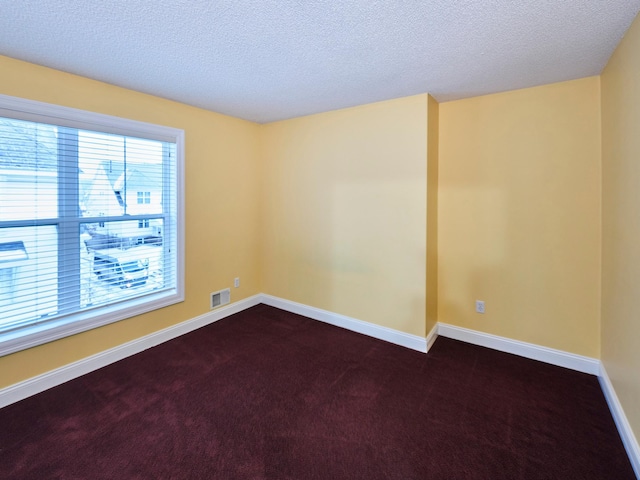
[(431, 337), (390, 335), (24, 389), (626, 434), (523, 349)]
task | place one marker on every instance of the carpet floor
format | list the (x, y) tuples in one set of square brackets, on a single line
[(267, 394)]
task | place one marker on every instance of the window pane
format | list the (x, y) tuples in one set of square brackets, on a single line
[(28, 274), (28, 170), (120, 261), (119, 175)]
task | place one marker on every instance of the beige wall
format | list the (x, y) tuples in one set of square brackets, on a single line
[(519, 215), (433, 123), (344, 212), (621, 223), (221, 199)]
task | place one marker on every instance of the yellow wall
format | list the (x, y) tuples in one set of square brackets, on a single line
[(344, 212), (221, 197), (433, 122), (519, 215), (621, 223), (399, 213)]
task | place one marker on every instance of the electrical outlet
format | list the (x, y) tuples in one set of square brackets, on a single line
[(236, 282), (480, 306)]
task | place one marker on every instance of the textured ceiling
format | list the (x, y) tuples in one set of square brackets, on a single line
[(266, 60)]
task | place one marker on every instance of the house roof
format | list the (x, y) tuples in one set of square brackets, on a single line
[(267, 60), (32, 147)]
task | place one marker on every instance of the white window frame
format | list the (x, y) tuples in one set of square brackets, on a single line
[(64, 326)]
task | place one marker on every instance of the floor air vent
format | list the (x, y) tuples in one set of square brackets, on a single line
[(220, 298)]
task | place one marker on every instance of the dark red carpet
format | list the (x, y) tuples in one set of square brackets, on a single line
[(266, 394)]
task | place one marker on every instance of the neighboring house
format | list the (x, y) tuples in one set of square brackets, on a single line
[(98, 198), (112, 192), (28, 166)]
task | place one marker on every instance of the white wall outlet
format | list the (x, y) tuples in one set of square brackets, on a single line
[(236, 282), (480, 306)]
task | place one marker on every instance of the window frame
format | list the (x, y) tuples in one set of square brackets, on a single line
[(77, 322)]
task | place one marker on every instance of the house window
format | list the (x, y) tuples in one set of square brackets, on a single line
[(144, 198), (118, 195), (65, 180)]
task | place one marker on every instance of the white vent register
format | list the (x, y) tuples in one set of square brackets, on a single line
[(220, 298)]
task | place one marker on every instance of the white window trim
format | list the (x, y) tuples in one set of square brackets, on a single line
[(38, 334)]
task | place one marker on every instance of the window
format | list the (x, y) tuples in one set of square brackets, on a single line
[(144, 198), (90, 221)]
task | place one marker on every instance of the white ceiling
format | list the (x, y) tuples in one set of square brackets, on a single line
[(266, 60)]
